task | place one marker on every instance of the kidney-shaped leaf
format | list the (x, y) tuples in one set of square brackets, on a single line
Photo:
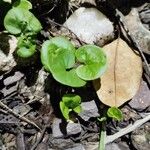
[(25, 4), (93, 61), (70, 102), (19, 20), (58, 57), (115, 113)]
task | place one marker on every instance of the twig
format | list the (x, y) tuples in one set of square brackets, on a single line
[(127, 130), (49, 10), (39, 140), (80, 41), (122, 20), (17, 115), (3, 111), (122, 132)]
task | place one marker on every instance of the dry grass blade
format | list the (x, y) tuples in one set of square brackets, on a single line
[(122, 132), (18, 116)]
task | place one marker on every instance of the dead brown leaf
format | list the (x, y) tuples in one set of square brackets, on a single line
[(122, 79)]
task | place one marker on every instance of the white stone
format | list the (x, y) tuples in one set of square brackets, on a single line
[(7, 61), (90, 25)]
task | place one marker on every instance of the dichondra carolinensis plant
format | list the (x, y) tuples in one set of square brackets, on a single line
[(21, 22), (70, 66)]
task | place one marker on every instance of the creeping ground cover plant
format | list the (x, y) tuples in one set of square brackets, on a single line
[(21, 22), (70, 66), (69, 103)]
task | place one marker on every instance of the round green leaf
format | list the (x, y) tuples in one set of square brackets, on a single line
[(93, 62), (25, 4), (115, 113), (58, 57), (19, 20), (56, 46)]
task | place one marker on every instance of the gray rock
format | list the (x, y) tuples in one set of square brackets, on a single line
[(141, 137), (119, 146), (91, 26), (73, 128), (138, 31), (10, 83), (142, 99), (56, 128), (89, 109), (60, 143), (7, 47), (8, 91), (77, 147), (12, 79), (144, 13), (22, 109)]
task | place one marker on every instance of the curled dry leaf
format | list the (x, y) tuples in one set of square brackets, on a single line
[(122, 78)]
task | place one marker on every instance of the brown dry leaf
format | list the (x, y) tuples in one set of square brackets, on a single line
[(122, 78)]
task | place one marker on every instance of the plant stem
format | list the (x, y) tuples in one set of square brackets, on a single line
[(102, 140)]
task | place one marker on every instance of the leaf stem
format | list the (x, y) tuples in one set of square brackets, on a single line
[(102, 140)]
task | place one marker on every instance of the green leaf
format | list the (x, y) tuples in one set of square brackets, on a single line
[(26, 52), (18, 20), (65, 110), (71, 100), (58, 57), (93, 62), (115, 113), (77, 109), (25, 4), (26, 47)]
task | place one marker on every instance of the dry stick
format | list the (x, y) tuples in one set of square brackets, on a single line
[(127, 130), (39, 140), (17, 115), (80, 41), (122, 132), (122, 20), (49, 10)]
